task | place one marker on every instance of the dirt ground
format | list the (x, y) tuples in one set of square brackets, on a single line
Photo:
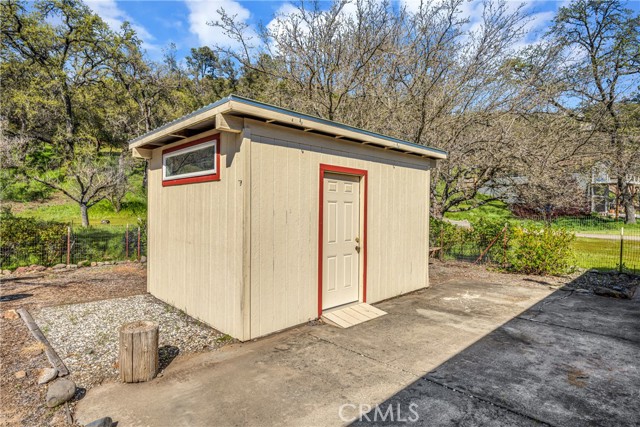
[(22, 399)]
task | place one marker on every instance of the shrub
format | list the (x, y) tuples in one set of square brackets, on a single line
[(485, 231), (541, 250), (446, 235), (26, 240)]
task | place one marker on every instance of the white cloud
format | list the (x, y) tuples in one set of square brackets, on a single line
[(201, 12), (113, 16), (284, 10)]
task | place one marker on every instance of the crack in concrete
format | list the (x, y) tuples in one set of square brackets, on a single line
[(544, 302), (487, 401), (438, 383), (578, 330), (397, 368)]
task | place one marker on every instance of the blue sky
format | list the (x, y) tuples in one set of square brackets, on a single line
[(183, 22)]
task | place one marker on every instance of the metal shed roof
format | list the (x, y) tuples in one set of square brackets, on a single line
[(213, 116)]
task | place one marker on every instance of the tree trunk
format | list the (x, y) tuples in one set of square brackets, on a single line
[(145, 176), (84, 213), (627, 202), (138, 356)]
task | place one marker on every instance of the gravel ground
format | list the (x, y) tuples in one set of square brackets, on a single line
[(22, 399), (86, 335)]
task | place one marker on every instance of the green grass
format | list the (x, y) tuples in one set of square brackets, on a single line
[(594, 225), (603, 254), (497, 210), (492, 210), (134, 207)]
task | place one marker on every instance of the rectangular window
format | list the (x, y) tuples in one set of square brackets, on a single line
[(195, 161)]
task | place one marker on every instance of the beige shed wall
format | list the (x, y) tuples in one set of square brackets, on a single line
[(195, 240), (284, 202)]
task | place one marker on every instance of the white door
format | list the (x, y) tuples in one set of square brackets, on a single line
[(341, 240)]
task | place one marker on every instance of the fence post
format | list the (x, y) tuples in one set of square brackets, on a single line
[(126, 243), (138, 243), (504, 246), (621, 249), (69, 245)]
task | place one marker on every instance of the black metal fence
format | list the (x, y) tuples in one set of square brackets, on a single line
[(78, 245)]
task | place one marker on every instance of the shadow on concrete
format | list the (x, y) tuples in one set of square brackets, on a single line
[(166, 354), (573, 359)]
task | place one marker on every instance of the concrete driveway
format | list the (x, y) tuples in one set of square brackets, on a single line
[(459, 353)]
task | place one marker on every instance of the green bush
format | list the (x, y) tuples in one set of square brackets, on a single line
[(541, 250), (485, 231), (446, 235), (28, 241)]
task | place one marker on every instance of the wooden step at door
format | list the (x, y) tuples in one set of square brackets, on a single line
[(348, 316)]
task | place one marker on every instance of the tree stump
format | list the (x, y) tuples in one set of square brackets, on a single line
[(138, 351)]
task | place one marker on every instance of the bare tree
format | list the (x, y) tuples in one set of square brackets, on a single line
[(320, 61), (116, 193), (592, 60), (427, 77)]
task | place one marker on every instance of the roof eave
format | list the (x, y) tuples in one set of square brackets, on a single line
[(271, 114)]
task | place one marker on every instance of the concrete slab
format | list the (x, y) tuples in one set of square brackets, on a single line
[(580, 369), (588, 312), (455, 354), (444, 407)]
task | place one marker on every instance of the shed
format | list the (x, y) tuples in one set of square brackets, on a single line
[(262, 218)]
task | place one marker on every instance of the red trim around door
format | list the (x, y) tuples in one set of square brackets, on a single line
[(345, 171), (195, 179)]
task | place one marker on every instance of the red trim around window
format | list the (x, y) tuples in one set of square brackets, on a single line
[(345, 171), (195, 179)]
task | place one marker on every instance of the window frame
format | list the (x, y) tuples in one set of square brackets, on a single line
[(193, 177)]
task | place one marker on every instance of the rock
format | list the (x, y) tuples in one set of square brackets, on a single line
[(72, 266), (20, 374), (143, 259), (39, 268), (6, 272), (10, 315), (21, 270), (108, 263), (93, 264), (59, 266), (46, 374), (606, 292), (102, 422), (100, 263), (60, 391)]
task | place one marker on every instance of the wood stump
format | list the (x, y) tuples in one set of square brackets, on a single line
[(138, 351)]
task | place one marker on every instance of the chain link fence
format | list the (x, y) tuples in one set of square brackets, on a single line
[(600, 243), (112, 243)]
